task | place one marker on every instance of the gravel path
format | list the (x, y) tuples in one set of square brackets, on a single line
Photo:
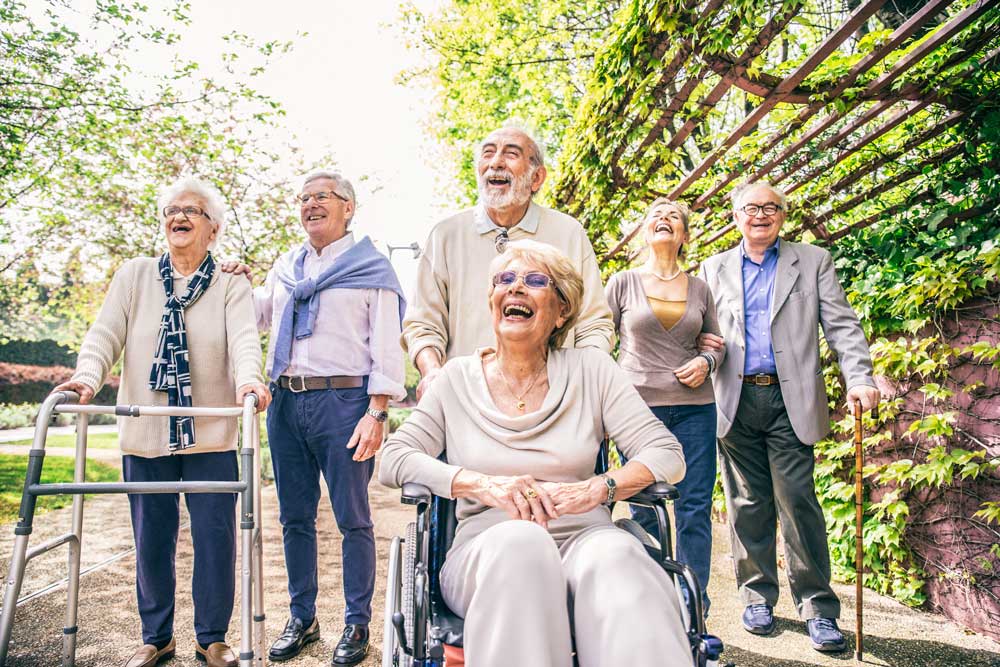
[(109, 624)]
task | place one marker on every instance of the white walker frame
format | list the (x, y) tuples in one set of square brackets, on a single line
[(251, 567)]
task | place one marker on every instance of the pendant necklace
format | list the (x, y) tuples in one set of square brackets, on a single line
[(520, 399), (666, 279)]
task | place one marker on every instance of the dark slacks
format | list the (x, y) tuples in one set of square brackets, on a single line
[(694, 427), (767, 474), (308, 434), (155, 521)]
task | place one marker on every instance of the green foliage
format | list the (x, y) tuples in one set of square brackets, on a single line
[(89, 142), (21, 415), (37, 353), (57, 469)]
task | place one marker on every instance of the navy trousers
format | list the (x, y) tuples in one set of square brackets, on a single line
[(308, 434), (155, 521), (694, 427)]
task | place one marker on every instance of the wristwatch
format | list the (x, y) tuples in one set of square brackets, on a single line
[(610, 483), (378, 415)]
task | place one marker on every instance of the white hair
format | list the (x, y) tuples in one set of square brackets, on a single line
[(737, 194), (341, 186), (215, 205)]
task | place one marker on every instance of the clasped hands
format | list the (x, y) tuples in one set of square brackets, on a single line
[(524, 497)]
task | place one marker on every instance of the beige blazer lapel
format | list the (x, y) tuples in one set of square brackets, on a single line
[(785, 276)]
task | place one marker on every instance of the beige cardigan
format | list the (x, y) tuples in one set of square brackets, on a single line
[(223, 344), (588, 396)]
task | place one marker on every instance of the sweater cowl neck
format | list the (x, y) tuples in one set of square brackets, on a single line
[(470, 380)]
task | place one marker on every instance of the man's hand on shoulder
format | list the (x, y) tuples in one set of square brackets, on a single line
[(428, 362), (865, 394), (237, 268)]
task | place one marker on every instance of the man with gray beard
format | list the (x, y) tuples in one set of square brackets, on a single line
[(449, 314)]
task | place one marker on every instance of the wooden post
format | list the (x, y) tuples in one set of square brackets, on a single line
[(859, 518)]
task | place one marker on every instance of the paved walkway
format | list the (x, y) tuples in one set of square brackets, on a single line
[(109, 625), (28, 432)]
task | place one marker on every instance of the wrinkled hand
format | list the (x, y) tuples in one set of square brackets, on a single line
[(708, 342), (693, 373), (426, 381), (237, 268), (86, 393), (864, 394), (577, 497), (261, 391), (521, 496), (367, 438)]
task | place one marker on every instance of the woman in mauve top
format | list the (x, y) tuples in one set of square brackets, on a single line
[(659, 312)]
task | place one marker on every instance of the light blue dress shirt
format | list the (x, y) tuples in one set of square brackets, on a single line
[(758, 293)]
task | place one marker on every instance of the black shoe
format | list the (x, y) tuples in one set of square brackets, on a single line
[(759, 619), (295, 636), (825, 635), (353, 645)]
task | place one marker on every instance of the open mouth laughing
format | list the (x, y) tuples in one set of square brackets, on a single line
[(498, 178), (518, 311)]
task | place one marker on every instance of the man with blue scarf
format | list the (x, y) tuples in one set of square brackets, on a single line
[(334, 309)]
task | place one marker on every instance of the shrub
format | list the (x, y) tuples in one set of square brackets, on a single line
[(37, 353)]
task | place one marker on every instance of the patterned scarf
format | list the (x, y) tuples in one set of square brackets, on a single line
[(171, 371)]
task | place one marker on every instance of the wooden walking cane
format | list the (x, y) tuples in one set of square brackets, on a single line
[(859, 511)]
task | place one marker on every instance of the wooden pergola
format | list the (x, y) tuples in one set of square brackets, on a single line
[(691, 113)]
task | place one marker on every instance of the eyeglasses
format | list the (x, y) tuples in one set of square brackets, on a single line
[(188, 211), (533, 280), (768, 209), (320, 197)]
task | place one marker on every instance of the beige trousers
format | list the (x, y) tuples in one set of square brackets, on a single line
[(522, 593)]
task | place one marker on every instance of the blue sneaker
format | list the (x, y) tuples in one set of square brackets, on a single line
[(825, 635), (759, 619)]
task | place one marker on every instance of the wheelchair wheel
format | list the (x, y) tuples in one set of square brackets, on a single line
[(409, 571)]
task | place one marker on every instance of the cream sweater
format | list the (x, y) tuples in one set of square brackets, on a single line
[(449, 310), (588, 396), (223, 344)]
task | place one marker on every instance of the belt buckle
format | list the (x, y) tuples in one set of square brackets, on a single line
[(762, 380), (291, 383)]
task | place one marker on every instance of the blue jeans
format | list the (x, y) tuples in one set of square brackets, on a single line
[(694, 427), (308, 434)]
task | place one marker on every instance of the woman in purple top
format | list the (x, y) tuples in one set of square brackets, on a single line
[(659, 312)]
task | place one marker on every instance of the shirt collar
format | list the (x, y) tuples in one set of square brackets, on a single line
[(775, 247), (529, 223), (333, 250)]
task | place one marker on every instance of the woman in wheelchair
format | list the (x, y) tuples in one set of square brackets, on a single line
[(536, 555)]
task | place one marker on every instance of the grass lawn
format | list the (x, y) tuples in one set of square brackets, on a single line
[(55, 469), (94, 441)]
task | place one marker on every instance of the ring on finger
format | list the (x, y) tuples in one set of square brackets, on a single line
[(531, 494)]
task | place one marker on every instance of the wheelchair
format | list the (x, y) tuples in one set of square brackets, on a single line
[(420, 629)]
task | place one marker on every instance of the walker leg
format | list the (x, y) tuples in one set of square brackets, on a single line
[(247, 524), (75, 547), (259, 632), (15, 577)]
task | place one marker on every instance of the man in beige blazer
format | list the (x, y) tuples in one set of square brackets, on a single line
[(772, 296)]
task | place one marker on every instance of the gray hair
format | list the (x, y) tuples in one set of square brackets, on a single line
[(536, 154), (741, 190), (215, 205), (341, 186)]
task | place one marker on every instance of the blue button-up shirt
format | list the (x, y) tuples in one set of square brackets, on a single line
[(758, 293)]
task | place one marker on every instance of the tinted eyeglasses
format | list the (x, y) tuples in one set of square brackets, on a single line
[(532, 280)]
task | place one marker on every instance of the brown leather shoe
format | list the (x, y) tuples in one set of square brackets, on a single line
[(149, 656), (216, 655)]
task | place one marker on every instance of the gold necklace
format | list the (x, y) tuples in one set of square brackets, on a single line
[(520, 399), (667, 279)]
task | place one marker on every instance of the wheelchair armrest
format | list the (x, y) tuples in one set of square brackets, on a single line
[(416, 494), (654, 493)]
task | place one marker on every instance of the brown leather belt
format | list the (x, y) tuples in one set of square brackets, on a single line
[(761, 379), (300, 383)]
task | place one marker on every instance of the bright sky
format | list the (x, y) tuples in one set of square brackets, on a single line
[(338, 88)]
